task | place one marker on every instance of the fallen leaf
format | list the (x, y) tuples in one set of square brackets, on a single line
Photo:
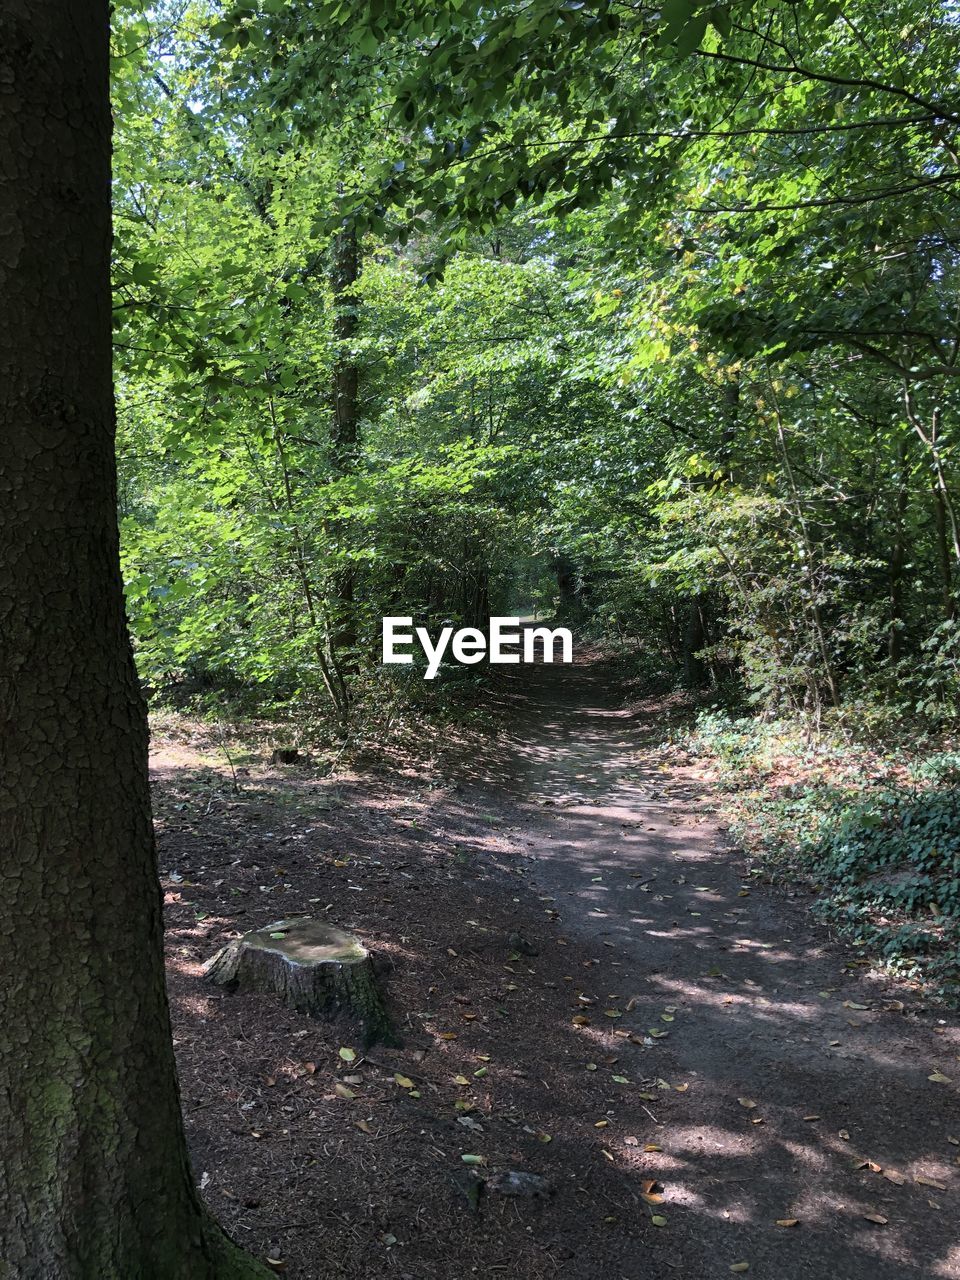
[(929, 1182), (472, 1159), (651, 1146), (891, 1175), (939, 1078), (844, 1134), (362, 1124), (601, 1124), (580, 1020), (787, 1222), (342, 1091), (747, 1102), (878, 1218), (404, 1081), (740, 1267), (658, 1220), (348, 1055)]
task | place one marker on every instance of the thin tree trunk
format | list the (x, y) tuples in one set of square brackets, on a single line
[(943, 551), (810, 563), (944, 501), (898, 557), (694, 671), (94, 1178), (345, 436), (344, 275)]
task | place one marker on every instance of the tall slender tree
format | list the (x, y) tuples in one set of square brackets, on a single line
[(94, 1179)]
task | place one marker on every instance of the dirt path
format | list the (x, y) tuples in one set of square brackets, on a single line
[(799, 1077), (785, 1086)]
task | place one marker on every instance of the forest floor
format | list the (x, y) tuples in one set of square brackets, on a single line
[(708, 1081)]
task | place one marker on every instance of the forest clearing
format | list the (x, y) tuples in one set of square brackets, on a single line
[(479, 639)]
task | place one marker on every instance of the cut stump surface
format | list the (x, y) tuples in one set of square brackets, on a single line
[(310, 965)]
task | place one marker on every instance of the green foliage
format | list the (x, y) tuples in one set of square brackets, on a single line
[(877, 842), (651, 306), (889, 868)]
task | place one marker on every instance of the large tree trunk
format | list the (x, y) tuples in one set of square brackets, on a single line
[(94, 1178)]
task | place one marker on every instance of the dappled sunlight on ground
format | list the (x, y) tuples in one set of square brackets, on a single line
[(684, 1054)]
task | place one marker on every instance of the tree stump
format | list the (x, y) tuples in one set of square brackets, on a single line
[(312, 966)]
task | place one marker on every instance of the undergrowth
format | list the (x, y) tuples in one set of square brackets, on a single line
[(874, 833)]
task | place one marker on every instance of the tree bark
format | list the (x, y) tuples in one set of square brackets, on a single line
[(694, 639), (344, 276), (311, 965), (898, 557), (345, 436), (94, 1178)]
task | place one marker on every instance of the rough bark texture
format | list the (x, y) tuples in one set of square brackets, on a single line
[(313, 966), (94, 1177)]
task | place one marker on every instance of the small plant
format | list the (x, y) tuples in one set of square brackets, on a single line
[(878, 842)]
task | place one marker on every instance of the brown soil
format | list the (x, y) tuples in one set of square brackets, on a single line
[(790, 1083)]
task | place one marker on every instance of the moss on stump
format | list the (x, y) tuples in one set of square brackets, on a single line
[(310, 965)]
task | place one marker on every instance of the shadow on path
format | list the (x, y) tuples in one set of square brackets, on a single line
[(804, 1090)]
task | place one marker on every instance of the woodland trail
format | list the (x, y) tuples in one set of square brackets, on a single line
[(799, 1077), (789, 1085)]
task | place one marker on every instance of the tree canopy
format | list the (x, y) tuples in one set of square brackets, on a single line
[(653, 302)]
